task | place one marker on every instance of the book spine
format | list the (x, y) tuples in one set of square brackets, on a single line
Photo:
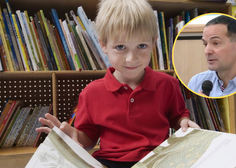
[(62, 49), (25, 55), (43, 43), (70, 42), (10, 45), (58, 54), (71, 53), (27, 42), (65, 45), (38, 45), (3, 56), (5, 46), (93, 35), (158, 44), (7, 117), (14, 24), (163, 40), (13, 39), (50, 40), (31, 39)]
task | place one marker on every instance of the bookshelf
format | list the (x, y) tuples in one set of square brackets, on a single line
[(63, 87)]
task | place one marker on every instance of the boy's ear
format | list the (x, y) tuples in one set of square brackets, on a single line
[(103, 46)]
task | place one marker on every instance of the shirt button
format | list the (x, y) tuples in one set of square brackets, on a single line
[(125, 88), (132, 100)]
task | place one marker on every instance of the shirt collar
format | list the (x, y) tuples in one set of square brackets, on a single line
[(221, 82), (112, 84)]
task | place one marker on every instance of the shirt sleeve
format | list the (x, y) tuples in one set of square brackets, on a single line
[(83, 120)]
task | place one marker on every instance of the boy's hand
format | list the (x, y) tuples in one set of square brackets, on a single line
[(52, 121), (186, 122)]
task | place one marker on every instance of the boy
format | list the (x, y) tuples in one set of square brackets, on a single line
[(132, 107)]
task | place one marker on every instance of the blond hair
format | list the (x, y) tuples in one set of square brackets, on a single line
[(117, 17)]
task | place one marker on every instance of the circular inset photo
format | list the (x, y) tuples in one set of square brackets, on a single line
[(204, 55)]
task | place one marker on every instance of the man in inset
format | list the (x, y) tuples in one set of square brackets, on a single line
[(219, 38)]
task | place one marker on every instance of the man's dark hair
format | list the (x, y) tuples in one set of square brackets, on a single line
[(228, 21)]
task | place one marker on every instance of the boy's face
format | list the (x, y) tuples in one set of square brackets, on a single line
[(220, 52), (128, 57)]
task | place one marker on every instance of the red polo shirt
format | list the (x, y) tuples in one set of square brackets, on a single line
[(130, 123)]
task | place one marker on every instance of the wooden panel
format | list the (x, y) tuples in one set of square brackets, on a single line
[(189, 59)]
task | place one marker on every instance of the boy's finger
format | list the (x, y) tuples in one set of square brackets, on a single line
[(54, 120)]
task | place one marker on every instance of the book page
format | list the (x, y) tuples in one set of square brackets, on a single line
[(195, 148), (59, 150)]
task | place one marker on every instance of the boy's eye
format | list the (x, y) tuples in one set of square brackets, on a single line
[(142, 46), (120, 47)]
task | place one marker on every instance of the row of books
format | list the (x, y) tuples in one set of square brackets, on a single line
[(206, 112), (168, 29), (18, 124), (32, 43)]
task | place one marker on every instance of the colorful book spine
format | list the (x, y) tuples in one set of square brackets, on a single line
[(22, 47), (3, 56), (31, 39), (27, 41), (17, 35), (50, 40), (81, 31), (10, 45), (13, 39), (158, 44), (38, 45), (163, 40), (93, 35), (43, 43), (65, 45), (5, 45)]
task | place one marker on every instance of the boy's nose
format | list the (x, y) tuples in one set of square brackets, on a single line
[(131, 56)]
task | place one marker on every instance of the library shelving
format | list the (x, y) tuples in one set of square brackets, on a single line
[(63, 87)]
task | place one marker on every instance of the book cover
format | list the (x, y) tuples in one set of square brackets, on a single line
[(40, 136), (10, 112), (193, 148), (15, 131), (59, 145), (10, 126)]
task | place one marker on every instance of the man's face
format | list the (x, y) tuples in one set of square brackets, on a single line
[(220, 52)]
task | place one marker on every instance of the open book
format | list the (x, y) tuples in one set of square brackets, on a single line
[(194, 148)]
